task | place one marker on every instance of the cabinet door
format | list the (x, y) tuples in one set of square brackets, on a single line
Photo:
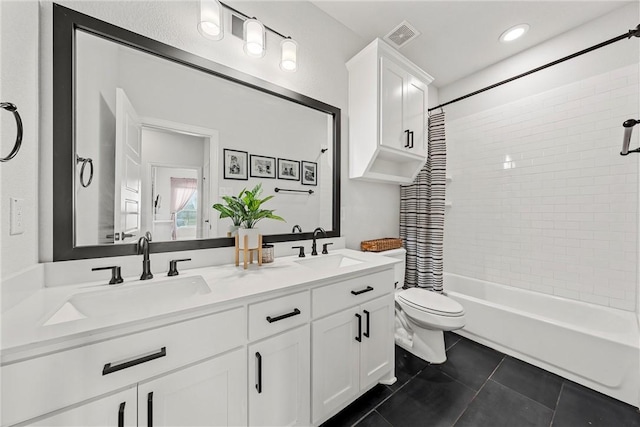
[(336, 355), (392, 105), (115, 410), (415, 115), (278, 380), (377, 349), (210, 393)]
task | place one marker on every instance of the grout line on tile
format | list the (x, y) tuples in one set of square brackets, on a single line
[(479, 390), (553, 418)]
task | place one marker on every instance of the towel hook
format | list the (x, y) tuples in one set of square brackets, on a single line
[(84, 164), (16, 147)]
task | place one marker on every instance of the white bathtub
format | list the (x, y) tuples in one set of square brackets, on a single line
[(595, 346)]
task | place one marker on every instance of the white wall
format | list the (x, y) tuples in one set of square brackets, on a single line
[(19, 85), (26, 79), (541, 198)]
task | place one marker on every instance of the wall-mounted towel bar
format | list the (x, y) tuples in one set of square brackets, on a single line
[(16, 147), (84, 164), (292, 191)]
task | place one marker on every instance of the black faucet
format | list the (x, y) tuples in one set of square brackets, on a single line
[(296, 227), (143, 249), (314, 251)]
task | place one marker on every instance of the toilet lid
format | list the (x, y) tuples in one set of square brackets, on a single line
[(433, 302)]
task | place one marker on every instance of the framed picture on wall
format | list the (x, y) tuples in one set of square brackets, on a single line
[(262, 167), (235, 164), (309, 173), (289, 169)]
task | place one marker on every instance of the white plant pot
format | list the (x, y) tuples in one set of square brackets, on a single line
[(233, 230), (252, 234)]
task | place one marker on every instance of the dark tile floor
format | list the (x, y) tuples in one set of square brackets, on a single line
[(479, 387)]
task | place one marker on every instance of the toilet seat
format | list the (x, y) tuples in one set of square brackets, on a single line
[(431, 302)]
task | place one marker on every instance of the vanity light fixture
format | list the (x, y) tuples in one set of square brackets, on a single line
[(211, 23), (289, 55), (254, 33), (254, 38), (514, 33)]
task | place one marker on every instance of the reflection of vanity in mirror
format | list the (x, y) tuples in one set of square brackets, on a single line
[(156, 121)]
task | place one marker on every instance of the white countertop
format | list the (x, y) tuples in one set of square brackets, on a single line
[(24, 333)]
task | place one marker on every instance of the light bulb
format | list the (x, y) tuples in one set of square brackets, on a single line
[(514, 32), (211, 23), (254, 38), (289, 55)]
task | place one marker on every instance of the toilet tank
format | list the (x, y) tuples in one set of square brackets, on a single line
[(400, 254)]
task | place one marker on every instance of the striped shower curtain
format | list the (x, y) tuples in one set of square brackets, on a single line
[(422, 214)]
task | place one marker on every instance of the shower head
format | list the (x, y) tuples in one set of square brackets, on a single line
[(626, 139)]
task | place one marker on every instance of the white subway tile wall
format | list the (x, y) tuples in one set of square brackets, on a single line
[(541, 197)]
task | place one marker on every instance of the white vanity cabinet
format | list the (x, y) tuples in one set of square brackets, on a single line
[(388, 98), (279, 380), (117, 409), (178, 357), (279, 371), (210, 393), (295, 354), (353, 348)]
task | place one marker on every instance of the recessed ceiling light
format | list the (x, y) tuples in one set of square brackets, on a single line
[(514, 32)]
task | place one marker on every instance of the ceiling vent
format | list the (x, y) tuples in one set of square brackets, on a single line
[(401, 35)]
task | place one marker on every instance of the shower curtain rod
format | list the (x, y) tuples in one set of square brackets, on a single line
[(631, 33)]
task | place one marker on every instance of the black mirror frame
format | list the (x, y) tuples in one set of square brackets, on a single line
[(65, 22)]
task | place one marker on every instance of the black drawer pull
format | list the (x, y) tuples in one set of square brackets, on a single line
[(108, 369), (366, 334), (150, 409), (295, 312), (259, 372), (121, 414), (367, 289), (359, 337)]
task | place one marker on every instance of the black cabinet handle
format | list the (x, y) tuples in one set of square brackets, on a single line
[(295, 312), (108, 369), (366, 334), (411, 136), (259, 372), (407, 144), (121, 414), (362, 291), (150, 409), (359, 337)]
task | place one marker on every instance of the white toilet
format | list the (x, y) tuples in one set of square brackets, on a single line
[(422, 316)]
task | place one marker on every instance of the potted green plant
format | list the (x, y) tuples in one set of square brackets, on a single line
[(252, 214), (233, 209)]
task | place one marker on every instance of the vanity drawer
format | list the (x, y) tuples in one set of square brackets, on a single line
[(331, 298), (53, 381), (278, 314)]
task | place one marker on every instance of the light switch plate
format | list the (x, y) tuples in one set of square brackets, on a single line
[(16, 208)]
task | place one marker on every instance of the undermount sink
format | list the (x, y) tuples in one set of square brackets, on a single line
[(130, 298), (329, 261)]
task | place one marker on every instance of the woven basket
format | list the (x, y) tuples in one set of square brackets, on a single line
[(379, 245)]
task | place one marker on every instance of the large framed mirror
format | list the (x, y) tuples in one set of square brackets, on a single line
[(147, 137)]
